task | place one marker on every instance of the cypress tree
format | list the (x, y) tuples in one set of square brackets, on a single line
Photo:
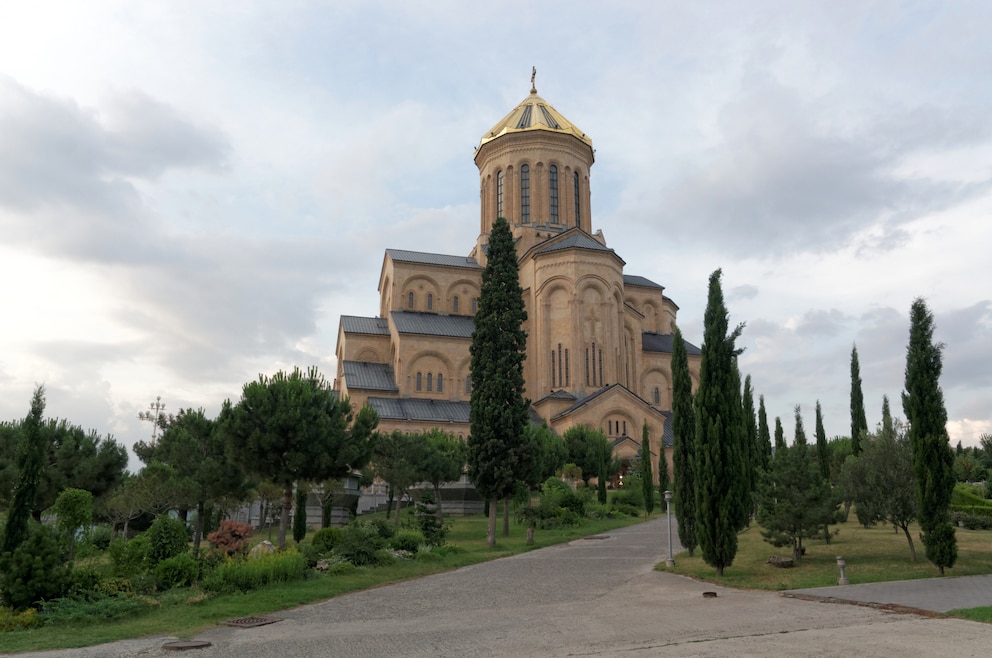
[(647, 476), (752, 448), (498, 413), (822, 455), (859, 422), (721, 488), (933, 461), (31, 450), (684, 430), (300, 516), (779, 435), (764, 437)]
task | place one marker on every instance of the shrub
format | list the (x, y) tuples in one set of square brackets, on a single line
[(114, 586), (69, 610), (231, 537), (383, 527), (361, 545), (167, 537), (325, 539), (130, 557), (177, 571), (249, 574), (434, 531), (34, 571), (407, 540), (972, 519), (84, 582), (15, 621)]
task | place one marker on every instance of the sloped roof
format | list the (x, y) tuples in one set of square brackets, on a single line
[(653, 342), (424, 258), (419, 409), (558, 395), (371, 376), (432, 324), (575, 239), (353, 324), (634, 280), (534, 113)]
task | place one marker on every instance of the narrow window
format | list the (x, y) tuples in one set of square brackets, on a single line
[(553, 183), (475, 305), (440, 383), (575, 184), (552, 368), (601, 367), (468, 384), (409, 300), (499, 194), (625, 428), (560, 380), (567, 378), (587, 367), (430, 301), (657, 395), (420, 379), (524, 194), (454, 304), (594, 364), (430, 382)]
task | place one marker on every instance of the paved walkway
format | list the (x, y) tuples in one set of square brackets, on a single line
[(592, 597), (926, 594)]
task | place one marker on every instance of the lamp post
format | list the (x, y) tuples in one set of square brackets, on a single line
[(670, 562)]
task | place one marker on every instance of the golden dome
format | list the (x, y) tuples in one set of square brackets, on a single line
[(534, 113)]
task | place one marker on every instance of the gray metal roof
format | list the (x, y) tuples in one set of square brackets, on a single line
[(559, 395), (370, 376), (353, 324), (578, 240), (634, 280), (425, 258), (432, 324), (435, 411), (664, 343)]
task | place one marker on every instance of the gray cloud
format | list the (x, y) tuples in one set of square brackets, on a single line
[(822, 323)]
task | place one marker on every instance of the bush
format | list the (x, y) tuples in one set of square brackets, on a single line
[(250, 574), (231, 537), (15, 621), (407, 540), (167, 537), (325, 539), (361, 545), (34, 571), (114, 586), (70, 610), (972, 518), (435, 533), (177, 571), (130, 557), (84, 582), (382, 527)]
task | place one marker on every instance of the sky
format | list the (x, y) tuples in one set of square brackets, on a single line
[(192, 193)]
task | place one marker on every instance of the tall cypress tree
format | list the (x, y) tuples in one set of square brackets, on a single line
[(498, 413), (779, 435), (684, 431), (859, 422), (822, 457), (933, 461), (753, 449), (31, 450), (764, 437), (647, 476), (721, 488)]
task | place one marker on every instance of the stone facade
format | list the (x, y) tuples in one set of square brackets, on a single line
[(599, 341)]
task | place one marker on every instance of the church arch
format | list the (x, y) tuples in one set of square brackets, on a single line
[(420, 286), (657, 377), (465, 290)]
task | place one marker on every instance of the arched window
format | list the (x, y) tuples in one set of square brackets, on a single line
[(553, 183), (454, 304), (524, 194), (657, 395), (409, 300), (430, 301), (499, 194), (420, 378), (575, 184), (430, 382), (440, 383)]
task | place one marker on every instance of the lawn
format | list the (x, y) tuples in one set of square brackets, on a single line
[(184, 612), (872, 555)]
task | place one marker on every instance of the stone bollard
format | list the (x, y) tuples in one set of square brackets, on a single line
[(843, 577)]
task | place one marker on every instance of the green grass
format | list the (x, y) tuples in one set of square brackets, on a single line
[(872, 555), (187, 611), (974, 614)]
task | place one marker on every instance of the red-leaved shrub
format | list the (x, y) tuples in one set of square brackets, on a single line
[(231, 537)]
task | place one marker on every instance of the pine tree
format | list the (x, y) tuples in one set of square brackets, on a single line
[(933, 461), (30, 463), (498, 412), (684, 430), (859, 422), (647, 477), (764, 436), (721, 488)]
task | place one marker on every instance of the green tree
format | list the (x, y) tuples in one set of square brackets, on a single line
[(764, 436), (933, 461), (683, 450), (300, 517), (441, 460), (647, 477), (822, 452), (859, 422), (498, 411), (34, 571), (30, 462), (794, 502), (753, 448), (779, 435), (292, 427), (394, 459), (73, 510), (721, 483)]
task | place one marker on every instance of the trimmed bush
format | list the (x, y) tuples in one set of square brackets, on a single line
[(167, 537), (177, 571)]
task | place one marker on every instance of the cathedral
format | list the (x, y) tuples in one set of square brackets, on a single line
[(599, 341)]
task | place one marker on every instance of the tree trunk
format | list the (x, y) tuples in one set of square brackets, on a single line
[(198, 532), (399, 500), (847, 509), (437, 503), (909, 538), (287, 509), (491, 530), (506, 517)]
